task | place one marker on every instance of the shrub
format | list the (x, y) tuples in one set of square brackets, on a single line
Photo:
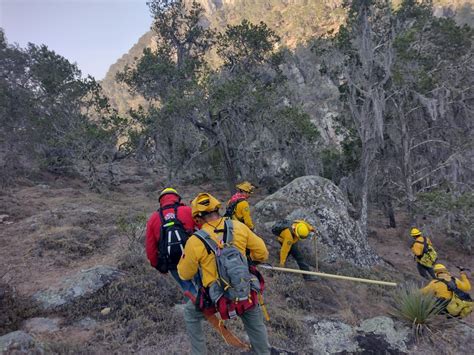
[(416, 308)]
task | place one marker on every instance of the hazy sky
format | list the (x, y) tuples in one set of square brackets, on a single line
[(92, 33)]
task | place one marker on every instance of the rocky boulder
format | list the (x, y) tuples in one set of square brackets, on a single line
[(82, 284), (320, 202), (379, 335), (19, 342)]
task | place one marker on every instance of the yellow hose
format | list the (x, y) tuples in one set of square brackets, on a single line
[(331, 276)]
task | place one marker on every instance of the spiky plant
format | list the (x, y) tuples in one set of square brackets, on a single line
[(418, 309)]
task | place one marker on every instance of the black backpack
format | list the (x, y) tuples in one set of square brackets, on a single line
[(280, 226), (230, 210), (451, 284), (173, 237)]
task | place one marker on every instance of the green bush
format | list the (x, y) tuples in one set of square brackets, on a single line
[(416, 308)]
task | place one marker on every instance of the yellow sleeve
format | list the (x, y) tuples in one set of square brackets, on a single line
[(287, 242), (430, 288), (417, 247), (463, 283), (243, 212), (189, 263), (256, 246)]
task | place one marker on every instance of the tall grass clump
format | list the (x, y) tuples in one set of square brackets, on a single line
[(418, 309)]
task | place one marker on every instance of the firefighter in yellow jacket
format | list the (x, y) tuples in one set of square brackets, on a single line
[(238, 207), (290, 233), (424, 253), (443, 287), (196, 258)]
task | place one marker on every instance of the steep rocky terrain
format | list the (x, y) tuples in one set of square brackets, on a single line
[(75, 279), (295, 22)]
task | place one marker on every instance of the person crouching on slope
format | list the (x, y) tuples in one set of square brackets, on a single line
[(210, 247), (167, 231), (290, 233), (238, 207), (424, 253), (451, 291)]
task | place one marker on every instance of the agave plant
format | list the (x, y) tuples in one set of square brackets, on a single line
[(418, 309)]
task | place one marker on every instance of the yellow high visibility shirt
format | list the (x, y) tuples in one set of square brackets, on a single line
[(195, 254), (440, 290), (287, 238), (417, 247), (242, 213)]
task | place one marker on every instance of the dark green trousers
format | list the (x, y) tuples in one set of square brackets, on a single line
[(300, 260)]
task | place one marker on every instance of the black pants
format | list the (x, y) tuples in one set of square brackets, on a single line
[(298, 256), (425, 271)]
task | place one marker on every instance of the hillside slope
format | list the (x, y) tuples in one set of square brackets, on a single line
[(295, 22)]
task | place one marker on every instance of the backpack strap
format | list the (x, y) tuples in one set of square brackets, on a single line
[(228, 231), (453, 287), (425, 246), (209, 243)]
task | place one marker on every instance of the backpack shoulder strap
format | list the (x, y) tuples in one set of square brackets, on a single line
[(451, 284), (209, 243), (162, 218), (228, 231), (425, 244)]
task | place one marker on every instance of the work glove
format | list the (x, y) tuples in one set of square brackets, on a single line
[(462, 269)]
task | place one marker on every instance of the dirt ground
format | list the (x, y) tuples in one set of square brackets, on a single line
[(57, 229)]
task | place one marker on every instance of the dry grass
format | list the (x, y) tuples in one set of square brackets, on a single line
[(69, 243)]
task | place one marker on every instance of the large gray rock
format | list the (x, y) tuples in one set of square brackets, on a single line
[(330, 336), (379, 335), (320, 202), (82, 284), (19, 342), (395, 334)]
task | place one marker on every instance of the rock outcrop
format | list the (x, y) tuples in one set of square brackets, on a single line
[(321, 203), (379, 335), (19, 342), (82, 284)]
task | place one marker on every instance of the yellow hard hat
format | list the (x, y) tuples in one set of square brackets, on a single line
[(302, 230), (204, 203), (415, 232), (245, 187), (439, 268), (167, 191)]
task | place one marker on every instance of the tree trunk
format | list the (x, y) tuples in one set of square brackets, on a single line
[(392, 223), (364, 194), (231, 176)]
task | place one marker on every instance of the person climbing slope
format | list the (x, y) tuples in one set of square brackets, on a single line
[(238, 207), (424, 253), (289, 233), (451, 291), (167, 231), (217, 253)]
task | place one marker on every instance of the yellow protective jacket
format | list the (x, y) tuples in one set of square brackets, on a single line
[(287, 238), (417, 247), (242, 213), (195, 255), (440, 290)]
